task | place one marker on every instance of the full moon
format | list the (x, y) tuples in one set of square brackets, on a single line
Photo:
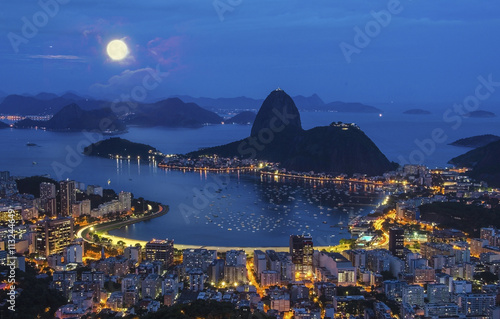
[(117, 50)]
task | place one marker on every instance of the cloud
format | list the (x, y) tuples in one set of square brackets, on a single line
[(57, 57), (165, 51), (127, 82)]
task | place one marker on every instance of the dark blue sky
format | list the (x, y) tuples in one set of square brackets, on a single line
[(429, 51)]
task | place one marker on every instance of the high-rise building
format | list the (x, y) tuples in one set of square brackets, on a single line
[(86, 206), (413, 295), (125, 199), (162, 250), (76, 209), (301, 250), (235, 274), (397, 241), (259, 261), (488, 234), (216, 271), (475, 304), (198, 258), (236, 257), (4, 176), (68, 197), (47, 190), (196, 279), (393, 289), (269, 278), (151, 286), (50, 207), (438, 294), (73, 254), (53, 235), (133, 253)]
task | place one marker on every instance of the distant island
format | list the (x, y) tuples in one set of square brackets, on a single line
[(4, 125), (476, 141), (73, 118), (277, 136), (243, 118), (122, 148), (480, 114), (417, 112), (484, 163), (173, 112)]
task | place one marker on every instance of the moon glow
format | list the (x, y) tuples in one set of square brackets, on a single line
[(117, 50)]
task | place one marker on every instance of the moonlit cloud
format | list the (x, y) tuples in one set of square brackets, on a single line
[(165, 51), (57, 57), (125, 82)]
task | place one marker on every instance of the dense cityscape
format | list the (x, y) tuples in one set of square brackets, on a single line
[(398, 262)]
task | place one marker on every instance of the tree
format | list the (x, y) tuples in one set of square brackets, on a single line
[(350, 242), (486, 277), (36, 299), (387, 275)]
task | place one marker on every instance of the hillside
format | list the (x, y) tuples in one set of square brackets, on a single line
[(243, 118), (476, 141), (277, 136), (173, 113), (484, 163), (73, 118), (121, 147), (467, 218)]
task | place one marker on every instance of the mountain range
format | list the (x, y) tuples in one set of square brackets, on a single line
[(45, 104), (303, 103), (73, 118), (277, 136), (49, 103)]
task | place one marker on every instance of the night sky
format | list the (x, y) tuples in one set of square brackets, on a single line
[(419, 51)]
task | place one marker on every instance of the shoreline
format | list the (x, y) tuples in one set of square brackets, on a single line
[(108, 226), (82, 233)]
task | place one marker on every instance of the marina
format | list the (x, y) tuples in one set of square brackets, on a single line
[(262, 210)]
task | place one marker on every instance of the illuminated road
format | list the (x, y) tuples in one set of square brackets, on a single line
[(252, 279), (377, 225)]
